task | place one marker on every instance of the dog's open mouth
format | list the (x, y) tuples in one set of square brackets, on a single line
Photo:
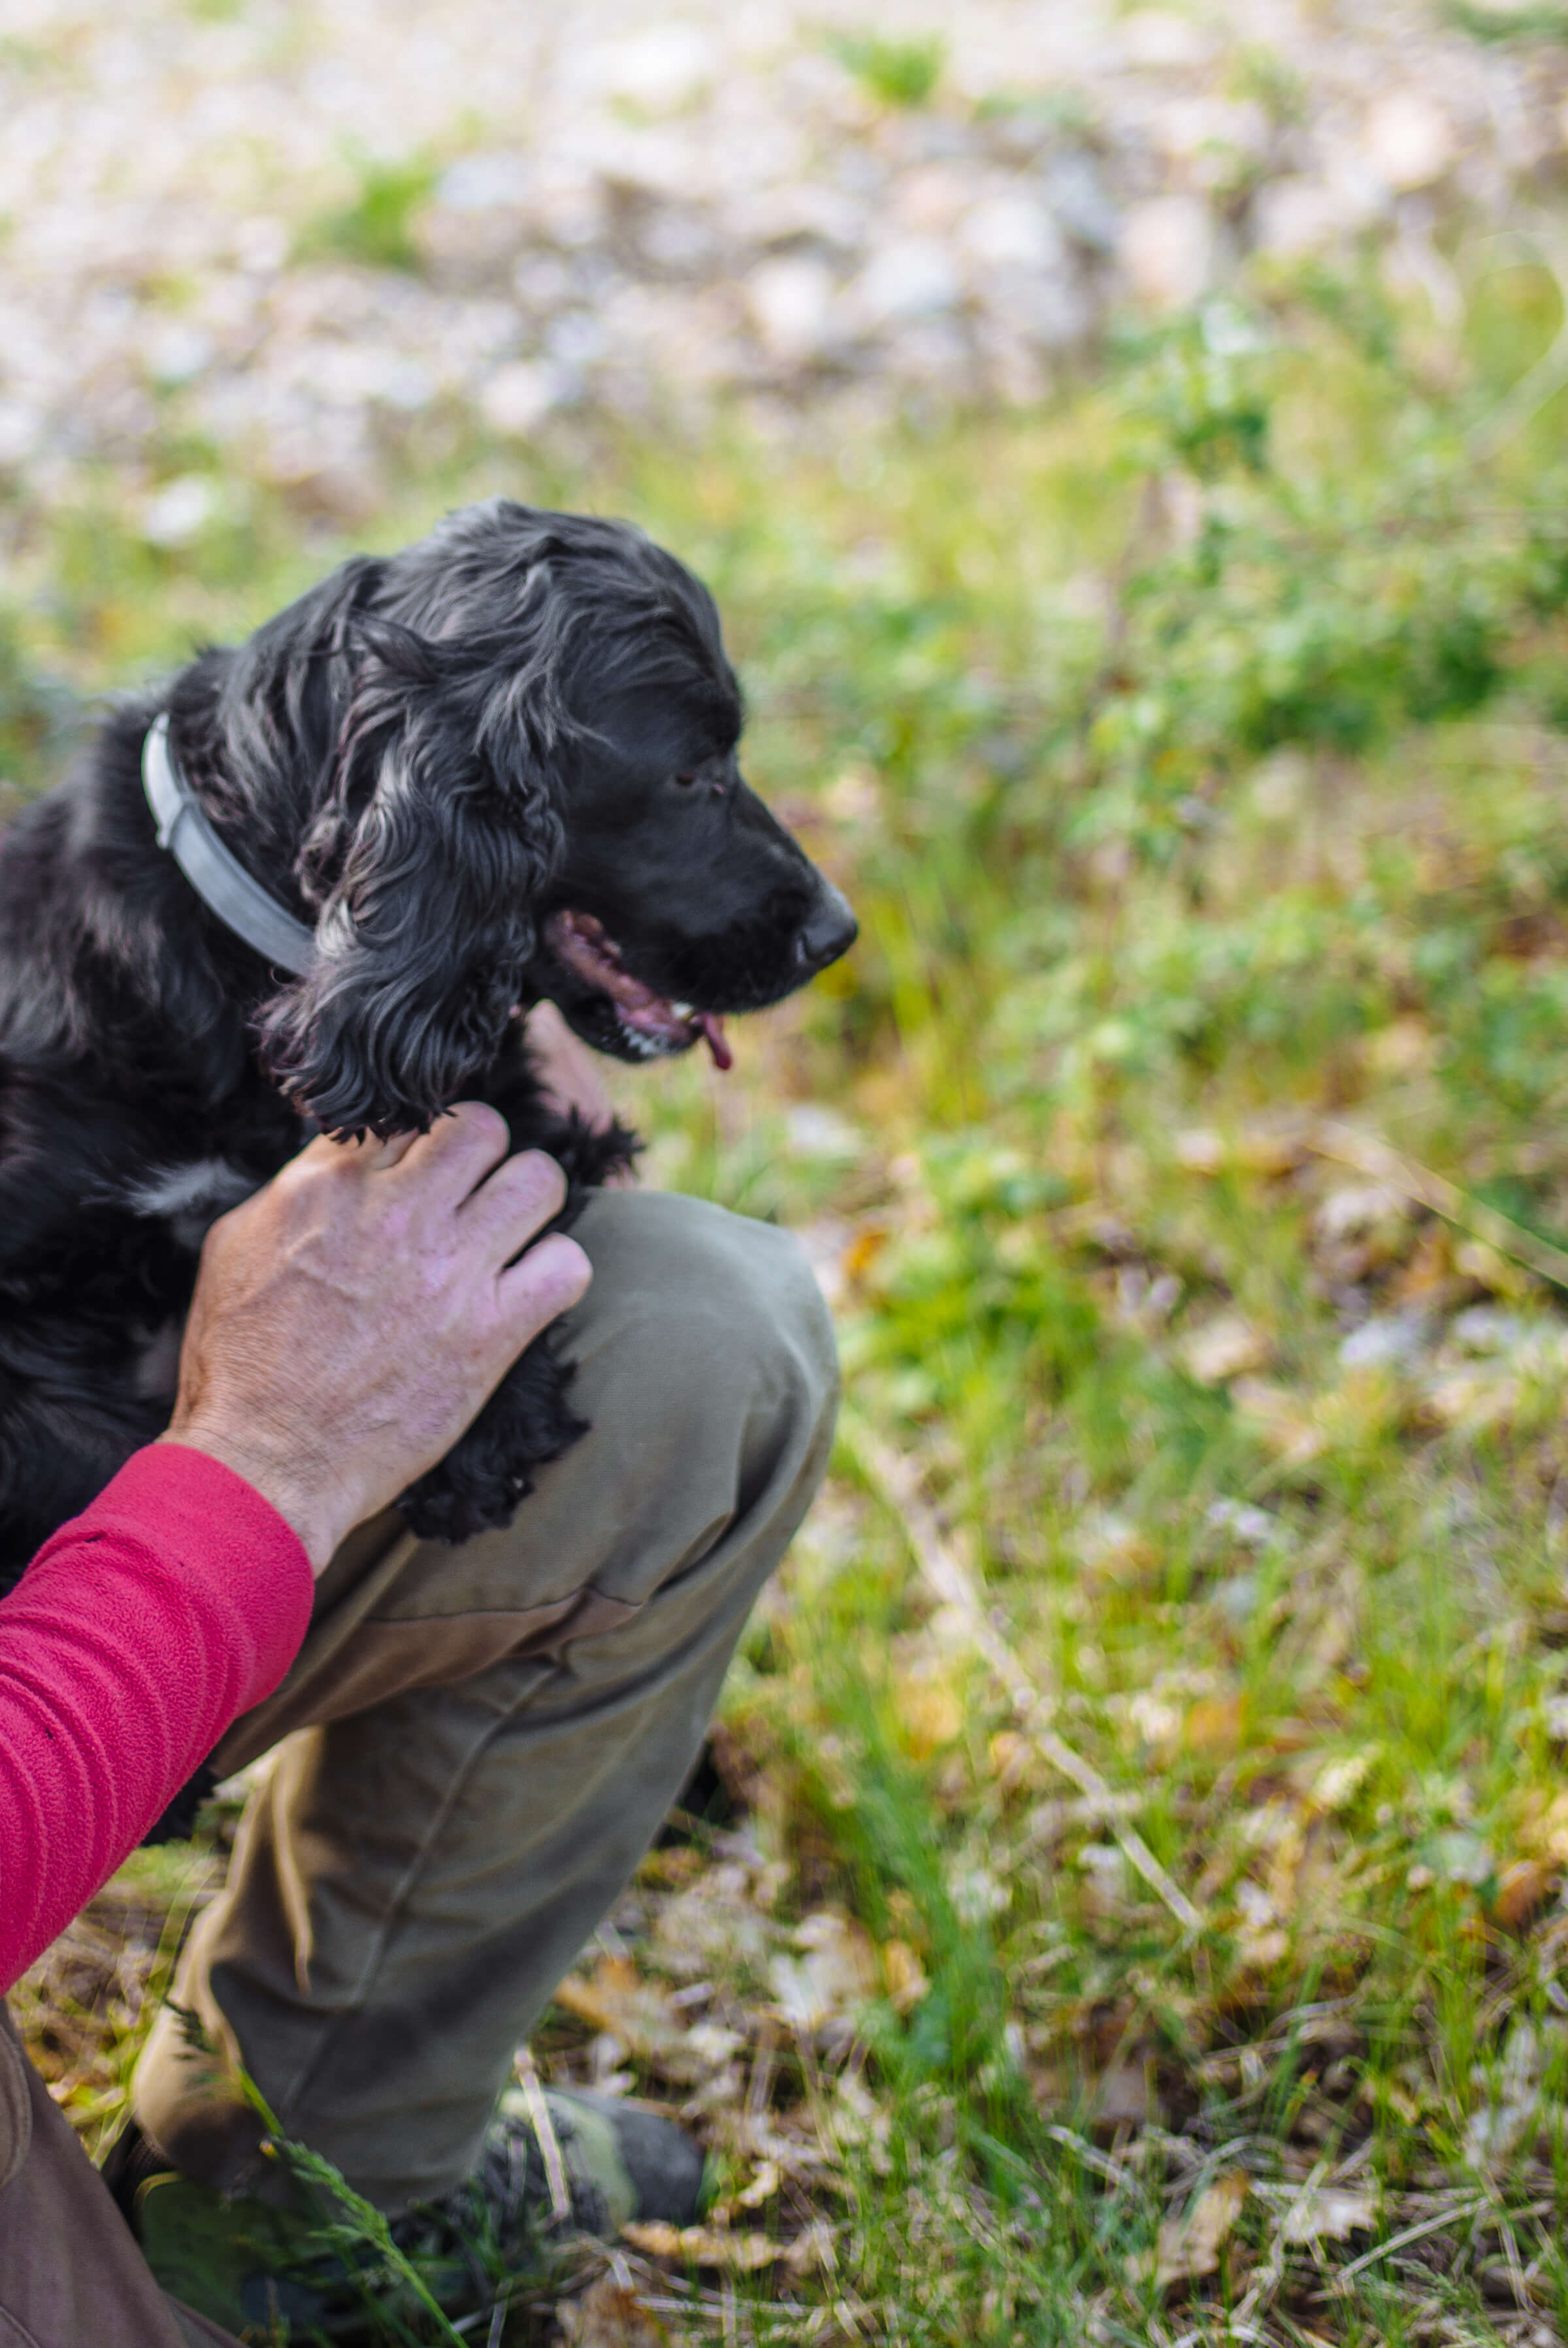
[(582, 945)]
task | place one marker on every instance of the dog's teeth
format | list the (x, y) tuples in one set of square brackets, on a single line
[(682, 1011)]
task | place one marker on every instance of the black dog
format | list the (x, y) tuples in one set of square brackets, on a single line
[(498, 767)]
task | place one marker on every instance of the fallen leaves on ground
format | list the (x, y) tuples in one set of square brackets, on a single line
[(1328, 2213), (1189, 2247), (706, 2246), (617, 1998), (1225, 1348), (834, 1970), (1526, 1885), (607, 2316)]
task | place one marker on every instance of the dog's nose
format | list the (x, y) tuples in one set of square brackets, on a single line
[(831, 930)]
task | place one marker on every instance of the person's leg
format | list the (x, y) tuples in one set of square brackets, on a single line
[(500, 1728), (70, 2273)]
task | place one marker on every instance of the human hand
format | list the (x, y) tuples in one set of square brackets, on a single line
[(351, 1319)]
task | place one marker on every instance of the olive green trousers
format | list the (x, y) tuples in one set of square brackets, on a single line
[(473, 1750)]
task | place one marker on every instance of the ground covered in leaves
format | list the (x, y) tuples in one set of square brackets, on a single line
[(1123, 1898)]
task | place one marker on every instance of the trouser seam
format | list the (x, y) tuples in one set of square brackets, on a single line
[(397, 1904)]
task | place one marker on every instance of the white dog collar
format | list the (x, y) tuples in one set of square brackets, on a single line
[(213, 870)]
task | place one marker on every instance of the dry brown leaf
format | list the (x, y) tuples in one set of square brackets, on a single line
[(1339, 1781), (617, 1998), (1261, 1940), (1265, 1150), (703, 2246), (905, 1978), (1492, 1271), (930, 1715), (1373, 1216), (1400, 1048), (811, 2247), (1225, 1348), (1201, 1151), (1284, 1420), (1113, 1548), (1155, 1719), (1190, 2247), (1007, 1756), (835, 1972), (605, 2316), (1473, 1400), (1126, 2094), (858, 2119), (1256, 1149), (1427, 1272), (863, 1250), (1543, 1824), (1215, 1724), (1328, 2214), (1261, 1951), (1368, 1402), (1525, 1886), (762, 2186), (714, 1923)]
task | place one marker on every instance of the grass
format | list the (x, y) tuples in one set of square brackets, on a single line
[(1538, 20), (377, 226), (1126, 1903), (900, 73)]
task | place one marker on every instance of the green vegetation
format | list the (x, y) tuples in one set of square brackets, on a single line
[(36, 713), (893, 72), (1536, 20), (376, 227), (1131, 1907)]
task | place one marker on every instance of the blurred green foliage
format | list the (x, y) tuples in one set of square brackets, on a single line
[(37, 713), (1536, 20), (894, 72), (376, 227)]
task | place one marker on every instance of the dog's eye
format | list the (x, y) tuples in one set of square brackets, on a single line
[(687, 777)]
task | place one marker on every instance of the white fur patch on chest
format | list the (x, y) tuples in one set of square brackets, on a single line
[(190, 1197)]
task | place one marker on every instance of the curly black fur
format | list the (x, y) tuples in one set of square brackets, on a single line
[(526, 715)]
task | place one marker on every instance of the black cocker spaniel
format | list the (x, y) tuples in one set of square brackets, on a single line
[(498, 767)]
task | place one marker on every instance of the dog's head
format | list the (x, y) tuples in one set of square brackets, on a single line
[(523, 736)]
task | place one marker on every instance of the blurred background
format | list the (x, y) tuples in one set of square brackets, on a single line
[(1122, 1899), (293, 244)]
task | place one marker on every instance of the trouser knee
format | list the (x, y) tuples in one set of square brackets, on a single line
[(707, 1369)]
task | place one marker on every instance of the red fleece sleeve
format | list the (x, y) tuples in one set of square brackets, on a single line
[(139, 1631)]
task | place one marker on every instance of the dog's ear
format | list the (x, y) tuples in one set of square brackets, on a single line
[(438, 834)]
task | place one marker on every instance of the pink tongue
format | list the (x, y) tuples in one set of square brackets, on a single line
[(712, 1028)]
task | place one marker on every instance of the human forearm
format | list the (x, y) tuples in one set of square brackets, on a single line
[(140, 1631)]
